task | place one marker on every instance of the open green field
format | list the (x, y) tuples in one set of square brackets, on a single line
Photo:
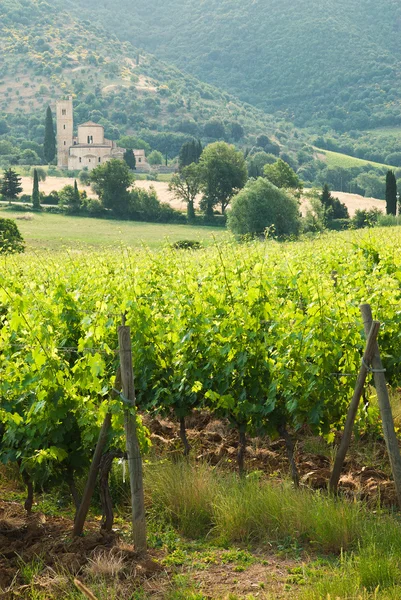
[(336, 159), (55, 232)]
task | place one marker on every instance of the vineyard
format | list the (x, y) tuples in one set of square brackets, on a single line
[(266, 336)]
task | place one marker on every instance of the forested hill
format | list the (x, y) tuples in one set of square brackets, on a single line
[(49, 50), (316, 61)]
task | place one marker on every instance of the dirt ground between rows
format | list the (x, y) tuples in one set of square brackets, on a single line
[(352, 201), (365, 476), (39, 537)]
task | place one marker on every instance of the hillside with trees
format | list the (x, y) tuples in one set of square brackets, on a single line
[(315, 61), (48, 52)]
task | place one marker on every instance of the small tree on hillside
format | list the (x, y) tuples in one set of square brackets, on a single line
[(391, 193), (261, 205), (186, 186), (49, 143), (223, 173), (10, 185), (130, 159), (35, 191)]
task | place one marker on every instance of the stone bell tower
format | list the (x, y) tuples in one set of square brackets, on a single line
[(65, 127)]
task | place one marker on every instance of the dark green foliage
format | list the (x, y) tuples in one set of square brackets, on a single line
[(222, 42), (261, 206), (35, 191), (76, 198), (187, 245), (365, 218), (332, 207), (111, 182), (214, 129), (339, 224), (49, 143), (10, 185), (10, 238), (326, 197), (223, 173), (129, 158), (257, 161), (391, 193), (190, 153), (237, 131)]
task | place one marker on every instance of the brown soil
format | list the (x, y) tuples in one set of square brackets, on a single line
[(22, 538), (366, 475)]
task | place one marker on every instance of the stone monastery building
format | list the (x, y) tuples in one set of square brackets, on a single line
[(90, 148)]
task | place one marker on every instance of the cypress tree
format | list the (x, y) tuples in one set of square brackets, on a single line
[(35, 191), (76, 198), (190, 153), (391, 193), (130, 159), (49, 144)]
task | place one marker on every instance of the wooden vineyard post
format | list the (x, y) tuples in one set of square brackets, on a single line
[(353, 409), (91, 481), (93, 471), (384, 406), (132, 444)]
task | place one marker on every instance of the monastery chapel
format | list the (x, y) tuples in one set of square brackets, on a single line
[(90, 148)]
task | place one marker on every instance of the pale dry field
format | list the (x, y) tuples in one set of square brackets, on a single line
[(57, 183), (352, 201)]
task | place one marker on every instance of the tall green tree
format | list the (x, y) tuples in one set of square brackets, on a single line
[(190, 153), (130, 159), (49, 143), (391, 193), (281, 175), (111, 182), (35, 191), (186, 185), (223, 173), (10, 185)]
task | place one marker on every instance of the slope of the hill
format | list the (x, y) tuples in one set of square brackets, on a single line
[(317, 61), (46, 52)]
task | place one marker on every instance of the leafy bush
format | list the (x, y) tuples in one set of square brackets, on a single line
[(339, 224), (261, 205), (365, 218), (10, 237), (388, 221), (187, 244)]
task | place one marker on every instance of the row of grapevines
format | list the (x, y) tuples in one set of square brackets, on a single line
[(266, 335)]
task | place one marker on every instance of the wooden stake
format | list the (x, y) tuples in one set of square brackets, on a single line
[(83, 509), (384, 406), (91, 481), (132, 444), (353, 409)]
